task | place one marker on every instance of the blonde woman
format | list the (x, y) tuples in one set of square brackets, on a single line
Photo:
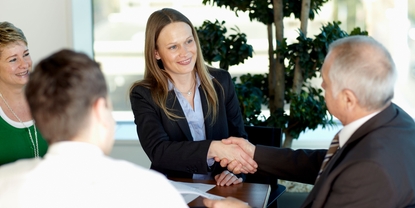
[(19, 137)]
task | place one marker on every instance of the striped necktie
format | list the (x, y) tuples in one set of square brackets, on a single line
[(330, 152)]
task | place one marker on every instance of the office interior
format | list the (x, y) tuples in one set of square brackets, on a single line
[(112, 31)]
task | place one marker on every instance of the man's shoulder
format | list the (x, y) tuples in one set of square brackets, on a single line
[(18, 168)]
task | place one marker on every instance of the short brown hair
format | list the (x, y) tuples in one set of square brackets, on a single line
[(61, 92), (10, 34)]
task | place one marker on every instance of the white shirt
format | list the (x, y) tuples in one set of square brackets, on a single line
[(77, 174), (350, 128)]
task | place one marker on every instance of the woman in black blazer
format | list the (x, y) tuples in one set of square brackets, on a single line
[(183, 108)]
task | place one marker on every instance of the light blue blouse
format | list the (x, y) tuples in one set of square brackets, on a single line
[(194, 118)]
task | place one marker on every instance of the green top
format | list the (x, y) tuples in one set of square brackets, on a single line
[(15, 142)]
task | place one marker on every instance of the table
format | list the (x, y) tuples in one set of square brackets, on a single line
[(255, 194)]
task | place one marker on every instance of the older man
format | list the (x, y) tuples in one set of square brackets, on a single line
[(371, 161), (67, 95)]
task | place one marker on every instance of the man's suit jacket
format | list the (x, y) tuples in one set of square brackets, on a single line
[(169, 143), (375, 168)]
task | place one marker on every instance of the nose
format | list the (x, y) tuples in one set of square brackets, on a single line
[(24, 62), (184, 51)]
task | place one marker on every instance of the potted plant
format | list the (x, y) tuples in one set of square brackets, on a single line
[(286, 86), (291, 67)]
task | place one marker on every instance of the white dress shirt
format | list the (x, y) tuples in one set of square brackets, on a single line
[(77, 174), (349, 129)]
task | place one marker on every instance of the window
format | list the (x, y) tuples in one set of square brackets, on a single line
[(119, 27)]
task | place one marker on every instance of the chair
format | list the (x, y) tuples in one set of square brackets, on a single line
[(269, 136)]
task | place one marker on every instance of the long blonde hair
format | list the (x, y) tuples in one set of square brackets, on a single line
[(156, 78)]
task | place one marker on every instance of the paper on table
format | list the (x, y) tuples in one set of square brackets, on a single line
[(191, 191)]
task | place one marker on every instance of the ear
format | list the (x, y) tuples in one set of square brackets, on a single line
[(105, 124), (101, 109), (349, 99), (157, 55)]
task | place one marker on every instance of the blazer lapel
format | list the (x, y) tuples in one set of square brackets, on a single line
[(208, 119), (378, 120), (173, 103)]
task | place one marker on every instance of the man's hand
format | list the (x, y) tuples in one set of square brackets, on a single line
[(234, 165), (232, 152), (229, 202)]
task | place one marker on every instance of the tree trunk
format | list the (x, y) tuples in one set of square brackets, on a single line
[(272, 70), (298, 76), (305, 13), (298, 79), (279, 86), (288, 141)]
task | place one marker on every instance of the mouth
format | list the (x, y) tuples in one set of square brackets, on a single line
[(185, 62), (21, 74)]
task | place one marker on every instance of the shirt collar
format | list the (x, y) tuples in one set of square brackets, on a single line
[(171, 86), (349, 129)]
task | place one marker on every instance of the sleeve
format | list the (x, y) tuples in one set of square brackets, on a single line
[(363, 184), (295, 165), (162, 150)]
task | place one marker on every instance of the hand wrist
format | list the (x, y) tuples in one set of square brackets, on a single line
[(212, 153)]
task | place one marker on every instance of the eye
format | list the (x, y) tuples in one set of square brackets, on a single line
[(189, 41), (26, 54), (13, 60), (172, 47)]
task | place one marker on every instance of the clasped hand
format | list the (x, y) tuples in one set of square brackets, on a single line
[(234, 153)]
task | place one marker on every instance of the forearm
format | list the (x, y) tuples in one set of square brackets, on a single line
[(163, 141), (288, 164)]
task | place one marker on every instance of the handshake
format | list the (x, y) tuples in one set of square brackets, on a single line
[(235, 153)]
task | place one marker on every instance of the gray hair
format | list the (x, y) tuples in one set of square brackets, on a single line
[(364, 66)]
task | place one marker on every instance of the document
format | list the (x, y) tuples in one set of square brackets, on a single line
[(191, 191)]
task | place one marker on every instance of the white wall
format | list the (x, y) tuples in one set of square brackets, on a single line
[(46, 23)]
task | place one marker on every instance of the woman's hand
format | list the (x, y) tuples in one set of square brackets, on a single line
[(227, 178)]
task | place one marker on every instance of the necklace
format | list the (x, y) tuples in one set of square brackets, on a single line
[(35, 142), (189, 92)]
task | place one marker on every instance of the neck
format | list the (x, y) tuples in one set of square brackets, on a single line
[(362, 112), (14, 104), (185, 83)]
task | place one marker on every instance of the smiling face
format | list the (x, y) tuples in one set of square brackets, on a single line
[(176, 47), (15, 64)]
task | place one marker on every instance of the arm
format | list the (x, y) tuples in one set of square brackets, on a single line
[(166, 145), (161, 138), (295, 165), (300, 165)]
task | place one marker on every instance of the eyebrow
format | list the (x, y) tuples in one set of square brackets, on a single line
[(191, 36), (25, 51)]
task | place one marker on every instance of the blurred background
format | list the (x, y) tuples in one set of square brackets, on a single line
[(119, 26)]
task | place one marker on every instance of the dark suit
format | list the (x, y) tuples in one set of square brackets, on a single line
[(169, 143), (375, 168)]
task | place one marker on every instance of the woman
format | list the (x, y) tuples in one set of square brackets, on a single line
[(181, 106), (19, 137)]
